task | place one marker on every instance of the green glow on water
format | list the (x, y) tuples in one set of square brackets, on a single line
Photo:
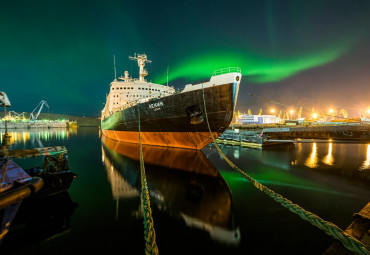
[(255, 68), (274, 178)]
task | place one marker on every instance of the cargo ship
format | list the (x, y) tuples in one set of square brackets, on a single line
[(169, 117)]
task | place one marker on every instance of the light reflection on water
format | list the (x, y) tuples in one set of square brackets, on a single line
[(313, 158), (329, 159), (36, 137), (366, 164), (346, 155)]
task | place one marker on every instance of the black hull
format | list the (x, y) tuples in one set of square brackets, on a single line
[(180, 114)]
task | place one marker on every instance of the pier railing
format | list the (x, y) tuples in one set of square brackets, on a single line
[(226, 70)]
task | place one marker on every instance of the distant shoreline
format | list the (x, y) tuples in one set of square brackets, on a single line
[(82, 121)]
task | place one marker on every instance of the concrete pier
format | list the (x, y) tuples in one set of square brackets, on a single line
[(341, 132), (258, 136)]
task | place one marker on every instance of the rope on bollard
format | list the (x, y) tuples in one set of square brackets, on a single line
[(149, 232), (348, 241)]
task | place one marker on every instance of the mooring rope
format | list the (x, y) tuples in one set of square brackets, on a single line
[(348, 241), (149, 232)]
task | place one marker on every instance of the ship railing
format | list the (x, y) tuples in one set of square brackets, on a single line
[(226, 70)]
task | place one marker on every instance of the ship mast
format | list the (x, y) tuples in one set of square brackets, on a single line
[(141, 60)]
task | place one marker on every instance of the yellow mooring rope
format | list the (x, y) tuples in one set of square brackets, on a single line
[(149, 232), (348, 241)]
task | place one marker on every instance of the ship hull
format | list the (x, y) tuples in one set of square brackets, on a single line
[(175, 121)]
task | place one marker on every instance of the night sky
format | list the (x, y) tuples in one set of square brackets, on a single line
[(299, 53)]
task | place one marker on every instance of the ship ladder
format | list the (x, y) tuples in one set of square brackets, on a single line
[(348, 241), (149, 232)]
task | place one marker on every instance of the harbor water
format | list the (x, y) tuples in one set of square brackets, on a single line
[(200, 204)]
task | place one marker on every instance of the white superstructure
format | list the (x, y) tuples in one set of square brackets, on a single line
[(126, 91)]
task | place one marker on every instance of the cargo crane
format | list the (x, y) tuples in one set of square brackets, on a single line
[(16, 115), (41, 104)]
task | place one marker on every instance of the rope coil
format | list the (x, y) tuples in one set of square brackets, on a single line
[(348, 241), (149, 232)]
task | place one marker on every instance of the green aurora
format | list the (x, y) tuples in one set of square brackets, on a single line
[(258, 69)]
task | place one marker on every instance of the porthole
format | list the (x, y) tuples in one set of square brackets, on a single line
[(237, 78)]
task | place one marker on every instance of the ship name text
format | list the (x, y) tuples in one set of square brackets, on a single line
[(155, 105)]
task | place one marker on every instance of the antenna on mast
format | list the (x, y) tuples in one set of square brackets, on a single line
[(114, 64), (141, 60)]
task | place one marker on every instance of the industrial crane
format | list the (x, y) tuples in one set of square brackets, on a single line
[(16, 115), (41, 104)]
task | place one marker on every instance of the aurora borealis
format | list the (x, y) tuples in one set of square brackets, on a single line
[(301, 53)]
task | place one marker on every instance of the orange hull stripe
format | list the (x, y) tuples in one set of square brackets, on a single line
[(189, 140)]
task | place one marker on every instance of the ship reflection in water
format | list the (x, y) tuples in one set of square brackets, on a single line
[(184, 185)]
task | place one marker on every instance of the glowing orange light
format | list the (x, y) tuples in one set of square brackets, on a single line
[(272, 110), (291, 111), (314, 115), (331, 110)]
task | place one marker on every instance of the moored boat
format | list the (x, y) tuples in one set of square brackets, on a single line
[(169, 117)]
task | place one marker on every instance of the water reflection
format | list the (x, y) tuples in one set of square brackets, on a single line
[(366, 164), (36, 136), (329, 159), (313, 158), (184, 185)]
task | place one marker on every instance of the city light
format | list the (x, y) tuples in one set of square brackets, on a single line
[(314, 115), (272, 110), (291, 111), (331, 111)]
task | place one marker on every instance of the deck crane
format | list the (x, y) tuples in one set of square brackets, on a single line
[(41, 104)]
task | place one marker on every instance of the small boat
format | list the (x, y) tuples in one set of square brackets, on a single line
[(17, 184)]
